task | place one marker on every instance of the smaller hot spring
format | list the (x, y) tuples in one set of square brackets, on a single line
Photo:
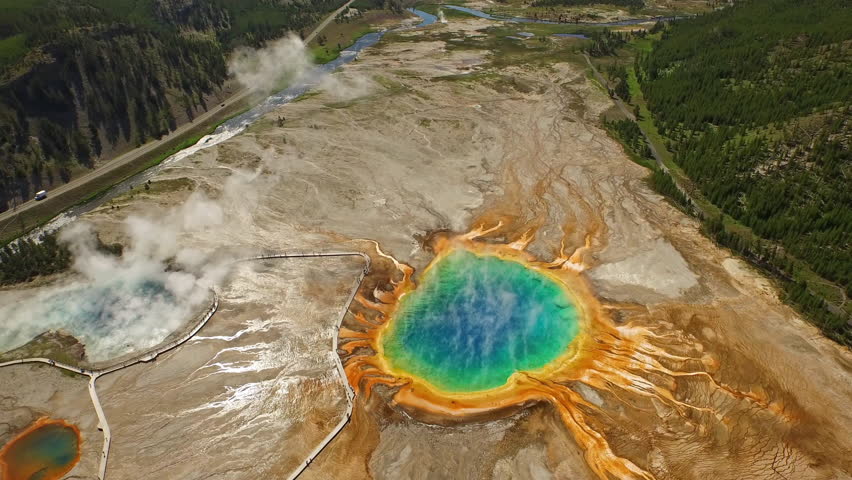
[(46, 451), (473, 321), (112, 317)]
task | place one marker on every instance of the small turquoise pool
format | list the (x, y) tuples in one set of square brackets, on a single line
[(47, 452), (475, 320)]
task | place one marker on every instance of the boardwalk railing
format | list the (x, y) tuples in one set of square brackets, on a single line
[(350, 394), (153, 354)]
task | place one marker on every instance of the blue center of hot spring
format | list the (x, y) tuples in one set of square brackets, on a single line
[(47, 452), (475, 320)]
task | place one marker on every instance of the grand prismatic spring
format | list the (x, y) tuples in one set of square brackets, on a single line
[(46, 450), (476, 320), (488, 328)]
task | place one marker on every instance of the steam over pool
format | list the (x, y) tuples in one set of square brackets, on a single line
[(111, 318), (122, 304)]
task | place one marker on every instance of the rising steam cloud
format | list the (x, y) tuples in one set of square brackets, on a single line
[(287, 62), (280, 63), (118, 305)]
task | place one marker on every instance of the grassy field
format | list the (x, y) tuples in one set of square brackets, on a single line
[(340, 35), (433, 8), (12, 49), (596, 12), (338, 39), (542, 49), (12, 9)]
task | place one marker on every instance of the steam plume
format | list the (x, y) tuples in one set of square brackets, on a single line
[(287, 62), (118, 305), (280, 63)]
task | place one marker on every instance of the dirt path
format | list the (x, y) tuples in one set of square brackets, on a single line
[(657, 157)]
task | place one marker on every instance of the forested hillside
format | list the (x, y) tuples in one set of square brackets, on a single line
[(756, 101), (84, 78)]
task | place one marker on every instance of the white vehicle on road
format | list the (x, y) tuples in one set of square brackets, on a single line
[(41, 195)]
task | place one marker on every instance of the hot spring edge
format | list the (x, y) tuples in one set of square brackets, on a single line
[(474, 320)]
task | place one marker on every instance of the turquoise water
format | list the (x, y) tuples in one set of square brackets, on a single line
[(112, 317), (45, 453), (97, 305), (475, 320)]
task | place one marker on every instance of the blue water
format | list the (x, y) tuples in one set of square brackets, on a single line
[(620, 23), (428, 18), (475, 320), (287, 95), (347, 55), (96, 305)]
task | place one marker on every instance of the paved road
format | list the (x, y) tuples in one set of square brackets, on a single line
[(137, 153), (325, 22), (627, 113), (132, 155)]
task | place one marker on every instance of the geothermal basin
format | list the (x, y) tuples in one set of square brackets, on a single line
[(112, 317), (474, 320)]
